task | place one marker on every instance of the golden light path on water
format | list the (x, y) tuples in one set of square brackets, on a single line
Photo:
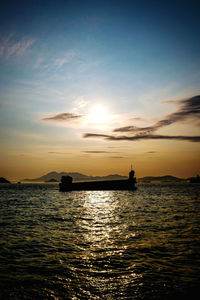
[(104, 230)]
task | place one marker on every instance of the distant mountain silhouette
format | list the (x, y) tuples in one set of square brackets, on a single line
[(166, 178), (55, 176), (76, 177), (3, 180), (52, 180)]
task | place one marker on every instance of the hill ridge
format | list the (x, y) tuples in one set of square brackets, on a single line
[(75, 175), (82, 177), (161, 178)]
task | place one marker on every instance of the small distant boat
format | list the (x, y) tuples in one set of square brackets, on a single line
[(67, 185), (195, 179), (19, 182)]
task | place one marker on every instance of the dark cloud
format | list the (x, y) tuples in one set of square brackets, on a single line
[(63, 117), (95, 151), (94, 135), (151, 152), (135, 129), (88, 135), (143, 137), (99, 151), (188, 109)]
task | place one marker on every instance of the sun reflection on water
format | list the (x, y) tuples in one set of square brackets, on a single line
[(104, 255)]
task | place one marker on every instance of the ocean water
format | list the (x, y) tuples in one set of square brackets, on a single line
[(143, 244)]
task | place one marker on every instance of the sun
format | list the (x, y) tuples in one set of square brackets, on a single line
[(98, 114), (98, 117)]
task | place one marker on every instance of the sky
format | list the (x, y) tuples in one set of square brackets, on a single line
[(95, 86)]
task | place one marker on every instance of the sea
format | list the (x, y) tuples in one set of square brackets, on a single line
[(142, 244)]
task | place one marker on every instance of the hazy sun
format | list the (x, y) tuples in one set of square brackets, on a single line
[(99, 115)]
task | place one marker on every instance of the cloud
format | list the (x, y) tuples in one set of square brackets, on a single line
[(95, 151), (99, 151), (38, 63), (29, 135), (10, 47), (143, 137), (133, 129), (59, 62), (29, 155), (91, 135), (59, 153), (188, 109), (151, 152), (63, 117), (116, 157), (138, 119)]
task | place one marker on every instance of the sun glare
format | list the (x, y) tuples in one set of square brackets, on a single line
[(99, 115)]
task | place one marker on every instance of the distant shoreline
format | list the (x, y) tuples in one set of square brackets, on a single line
[(54, 178)]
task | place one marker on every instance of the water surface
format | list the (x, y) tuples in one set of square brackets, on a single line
[(101, 244)]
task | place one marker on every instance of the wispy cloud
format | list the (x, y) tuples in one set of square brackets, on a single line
[(189, 109), (151, 152), (63, 117), (95, 151), (139, 119), (59, 62), (59, 153), (116, 157), (99, 151), (11, 47), (28, 155), (38, 63), (29, 135)]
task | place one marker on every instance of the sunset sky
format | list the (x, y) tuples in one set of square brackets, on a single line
[(95, 86)]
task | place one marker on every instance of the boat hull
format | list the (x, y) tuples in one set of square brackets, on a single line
[(98, 186)]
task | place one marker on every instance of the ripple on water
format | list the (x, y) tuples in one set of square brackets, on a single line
[(99, 245)]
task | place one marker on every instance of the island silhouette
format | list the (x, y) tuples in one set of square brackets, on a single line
[(75, 175), (3, 180), (56, 177)]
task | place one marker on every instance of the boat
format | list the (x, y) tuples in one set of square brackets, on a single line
[(129, 184), (195, 179)]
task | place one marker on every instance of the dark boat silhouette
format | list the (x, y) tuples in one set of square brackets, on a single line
[(67, 185), (195, 179)]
